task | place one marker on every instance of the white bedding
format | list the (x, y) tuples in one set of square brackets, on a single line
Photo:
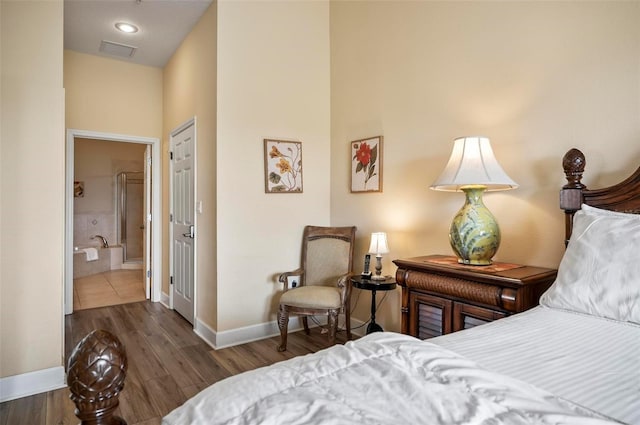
[(383, 378), (589, 360)]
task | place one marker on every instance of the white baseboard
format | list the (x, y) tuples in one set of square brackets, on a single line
[(243, 335), (205, 332), (358, 327), (164, 299), (26, 384), (218, 340)]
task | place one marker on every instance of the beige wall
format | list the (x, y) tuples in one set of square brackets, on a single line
[(273, 82), (31, 186), (536, 77), (112, 96), (190, 91)]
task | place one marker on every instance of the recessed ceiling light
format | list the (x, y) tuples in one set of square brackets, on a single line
[(125, 27)]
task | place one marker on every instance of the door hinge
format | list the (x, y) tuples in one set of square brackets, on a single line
[(170, 155), (171, 280), (149, 273), (171, 217)]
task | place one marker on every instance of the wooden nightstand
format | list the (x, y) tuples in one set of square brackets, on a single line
[(440, 296)]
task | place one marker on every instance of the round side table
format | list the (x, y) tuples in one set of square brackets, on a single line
[(373, 286)]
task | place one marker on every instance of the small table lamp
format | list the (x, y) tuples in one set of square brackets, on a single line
[(472, 168), (378, 247)]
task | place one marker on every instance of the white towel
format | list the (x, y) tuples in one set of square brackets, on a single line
[(92, 253)]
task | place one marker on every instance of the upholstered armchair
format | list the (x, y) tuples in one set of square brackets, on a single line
[(324, 286)]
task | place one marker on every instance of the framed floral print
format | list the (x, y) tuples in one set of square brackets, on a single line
[(366, 165), (78, 189), (282, 166)]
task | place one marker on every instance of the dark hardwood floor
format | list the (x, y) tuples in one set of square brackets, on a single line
[(168, 363)]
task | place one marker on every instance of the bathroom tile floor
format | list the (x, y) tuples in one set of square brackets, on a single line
[(109, 288)]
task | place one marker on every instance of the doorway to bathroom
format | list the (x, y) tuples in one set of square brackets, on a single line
[(112, 243)]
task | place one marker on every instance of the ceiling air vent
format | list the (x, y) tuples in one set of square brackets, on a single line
[(117, 49)]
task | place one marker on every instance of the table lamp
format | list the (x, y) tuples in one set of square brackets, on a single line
[(378, 247), (474, 234)]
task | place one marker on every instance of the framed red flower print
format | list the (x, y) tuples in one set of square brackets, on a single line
[(366, 165)]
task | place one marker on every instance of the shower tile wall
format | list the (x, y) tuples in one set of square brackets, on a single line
[(85, 226)]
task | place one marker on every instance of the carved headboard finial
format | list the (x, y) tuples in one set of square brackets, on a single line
[(573, 163), (622, 197), (96, 373)]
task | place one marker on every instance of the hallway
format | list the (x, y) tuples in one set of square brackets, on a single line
[(109, 288)]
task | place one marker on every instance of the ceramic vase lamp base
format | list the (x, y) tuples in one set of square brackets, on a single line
[(474, 234)]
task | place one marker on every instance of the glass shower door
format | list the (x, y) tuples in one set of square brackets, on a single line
[(131, 215)]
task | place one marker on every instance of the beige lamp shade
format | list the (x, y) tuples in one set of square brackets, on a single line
[(378, 244), (378, 247), (472, 163)]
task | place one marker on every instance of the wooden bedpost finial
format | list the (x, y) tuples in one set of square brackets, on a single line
[(96, 372), (573, 163)]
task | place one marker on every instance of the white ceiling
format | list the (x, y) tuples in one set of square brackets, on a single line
[(163, 25)]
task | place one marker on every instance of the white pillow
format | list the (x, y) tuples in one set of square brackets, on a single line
[(600, 271)]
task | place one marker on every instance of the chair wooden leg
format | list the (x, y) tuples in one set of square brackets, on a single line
[(347, 321), (305, 323), (283, 324), (333, 326)]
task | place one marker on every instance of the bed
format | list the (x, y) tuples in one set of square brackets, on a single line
[(575, 359)]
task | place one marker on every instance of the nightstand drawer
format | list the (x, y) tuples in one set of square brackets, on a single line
[(456, 288), (437, 316), (466, 316), (432, 315)]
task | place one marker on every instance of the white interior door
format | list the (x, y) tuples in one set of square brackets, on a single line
[(146, 254), (182, 147)]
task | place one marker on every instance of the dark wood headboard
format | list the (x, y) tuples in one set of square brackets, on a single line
[(623, 197)]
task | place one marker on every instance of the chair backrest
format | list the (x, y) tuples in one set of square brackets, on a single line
[(327, 253)]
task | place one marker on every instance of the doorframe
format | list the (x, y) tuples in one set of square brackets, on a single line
[(148, 168), (156, 208), (172, 134)]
